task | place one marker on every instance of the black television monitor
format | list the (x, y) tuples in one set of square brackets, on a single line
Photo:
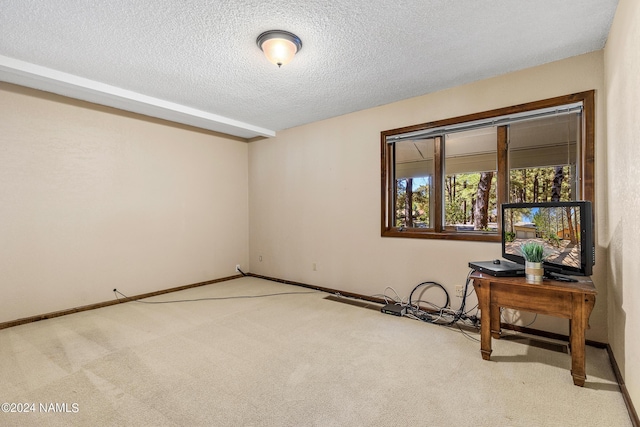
[(564, 228)]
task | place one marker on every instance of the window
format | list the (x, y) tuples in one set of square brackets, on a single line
[(470, 173), (413, 183), (447, 179), (544, 159)]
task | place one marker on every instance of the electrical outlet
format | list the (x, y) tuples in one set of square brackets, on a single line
[(237, 268), (459, 291), (314, 266)]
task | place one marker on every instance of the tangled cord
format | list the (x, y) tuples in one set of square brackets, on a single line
[(444, 315)]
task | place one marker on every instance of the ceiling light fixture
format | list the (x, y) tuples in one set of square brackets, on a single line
[(279, 46)]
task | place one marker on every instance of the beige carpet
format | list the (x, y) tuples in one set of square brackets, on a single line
[(289, 360)]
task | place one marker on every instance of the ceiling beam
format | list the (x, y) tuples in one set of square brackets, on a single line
[(50, 80)]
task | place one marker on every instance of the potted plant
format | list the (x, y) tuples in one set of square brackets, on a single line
[(533, 254)]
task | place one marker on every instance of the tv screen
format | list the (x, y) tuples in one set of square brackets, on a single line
[(565, 229)]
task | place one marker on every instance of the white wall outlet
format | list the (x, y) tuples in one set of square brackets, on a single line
[(237, 268), (260, 258), (459, 291), (314, 266)]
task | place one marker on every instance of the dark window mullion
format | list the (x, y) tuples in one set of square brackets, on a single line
[(502, 180), (438, 184)]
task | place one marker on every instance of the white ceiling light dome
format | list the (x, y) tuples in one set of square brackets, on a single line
[(279, 46)]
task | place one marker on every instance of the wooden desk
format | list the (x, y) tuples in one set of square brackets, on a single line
[(568, 300)]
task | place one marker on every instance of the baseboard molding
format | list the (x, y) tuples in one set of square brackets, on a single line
[(635, 421), (320, 288), (51, 315), (550, 335)]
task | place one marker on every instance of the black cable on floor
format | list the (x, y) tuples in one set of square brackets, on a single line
[(117, 292)]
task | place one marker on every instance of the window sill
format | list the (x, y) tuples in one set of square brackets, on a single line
[(445, 235)]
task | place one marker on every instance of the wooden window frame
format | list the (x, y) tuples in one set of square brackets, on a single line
[(438, 230)]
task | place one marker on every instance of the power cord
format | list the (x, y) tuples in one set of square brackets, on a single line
[(129, 299), (388, 300)]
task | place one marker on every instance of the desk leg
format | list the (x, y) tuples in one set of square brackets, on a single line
[(582, 305), (483, 292), (496, 328), (578, 324)]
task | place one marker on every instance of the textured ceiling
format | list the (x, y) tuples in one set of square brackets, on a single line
[(196, 61)]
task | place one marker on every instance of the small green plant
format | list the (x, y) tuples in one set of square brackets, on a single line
[(533, 252)]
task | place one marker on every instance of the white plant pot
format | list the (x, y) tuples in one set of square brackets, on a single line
[(533, 272)]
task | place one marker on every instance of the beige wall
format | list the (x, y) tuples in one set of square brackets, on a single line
[(314, 193), (93, 198), (622, 235)]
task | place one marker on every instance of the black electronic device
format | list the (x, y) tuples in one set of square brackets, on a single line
[(501, 268), (394, 309), (564, 228)]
